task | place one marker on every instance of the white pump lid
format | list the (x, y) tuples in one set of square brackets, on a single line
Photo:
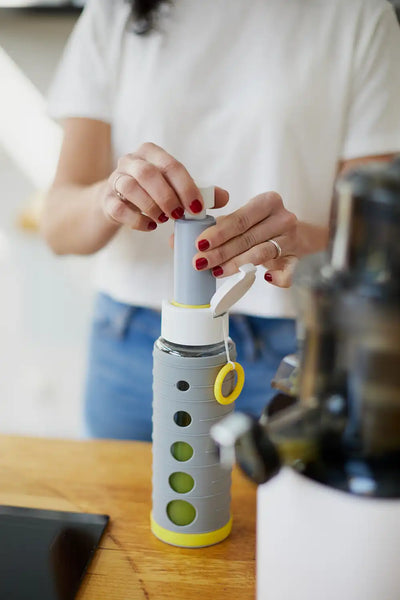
[(232, 290), (208, 195), (205, 326)]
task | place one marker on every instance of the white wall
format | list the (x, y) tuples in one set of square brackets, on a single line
[(44, 300)]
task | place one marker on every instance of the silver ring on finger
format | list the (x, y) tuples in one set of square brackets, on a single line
[(116, 191), (277, 248)]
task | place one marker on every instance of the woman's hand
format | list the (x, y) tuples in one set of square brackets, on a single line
[(149, 187), (245, 237)]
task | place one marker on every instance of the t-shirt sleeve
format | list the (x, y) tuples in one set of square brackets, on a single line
[(373, 124), (81, 86)]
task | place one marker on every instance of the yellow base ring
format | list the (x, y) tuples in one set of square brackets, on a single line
[(179, 305), (190, 540), (220, 398)]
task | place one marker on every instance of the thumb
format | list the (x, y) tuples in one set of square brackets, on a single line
[(221, 197), (281, 274)]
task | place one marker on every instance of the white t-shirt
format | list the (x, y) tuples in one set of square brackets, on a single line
[(251, 95)]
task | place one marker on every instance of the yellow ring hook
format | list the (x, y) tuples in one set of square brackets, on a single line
[(220, 398)]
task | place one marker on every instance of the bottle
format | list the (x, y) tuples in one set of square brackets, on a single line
[(195, 384)]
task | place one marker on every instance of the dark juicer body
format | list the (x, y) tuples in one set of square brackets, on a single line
[(350, 359), (341, 426)]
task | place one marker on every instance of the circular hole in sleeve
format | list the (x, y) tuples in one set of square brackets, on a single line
[(182, 451), (183, 386), (182, 418), (182, 483), (181, 512)]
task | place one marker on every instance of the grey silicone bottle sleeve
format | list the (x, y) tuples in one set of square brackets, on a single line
[(184, 410)]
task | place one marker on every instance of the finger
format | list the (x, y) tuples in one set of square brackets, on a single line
[(175, 174), (259, 254), (128, 189), (124, 213), (152, 181), (251, 246), (221, 197), (282, 276), (230, 226)]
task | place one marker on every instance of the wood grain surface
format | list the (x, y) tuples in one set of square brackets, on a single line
[(114, 478)]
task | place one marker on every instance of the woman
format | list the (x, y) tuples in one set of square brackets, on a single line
[(249, 95)]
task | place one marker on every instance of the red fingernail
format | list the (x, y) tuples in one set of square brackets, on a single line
[(201, 263), (196, 206), (203, 245), (151, 226), (177, 213), (268, 277), (217, 271), (163, 218)]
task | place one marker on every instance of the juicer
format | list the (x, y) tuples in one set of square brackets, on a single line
[(326, 451)]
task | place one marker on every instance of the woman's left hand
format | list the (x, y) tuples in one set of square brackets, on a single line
[(245, 236)]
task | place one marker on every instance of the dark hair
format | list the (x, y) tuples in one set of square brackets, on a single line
[(144, 14)]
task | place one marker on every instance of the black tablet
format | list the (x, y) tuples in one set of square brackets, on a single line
[(44, 554)]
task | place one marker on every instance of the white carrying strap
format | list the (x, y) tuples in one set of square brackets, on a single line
[(226, 338)]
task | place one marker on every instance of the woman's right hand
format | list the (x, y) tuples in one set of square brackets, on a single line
[(149, 187)]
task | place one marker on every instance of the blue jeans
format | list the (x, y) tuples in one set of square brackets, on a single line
[(119, 382)]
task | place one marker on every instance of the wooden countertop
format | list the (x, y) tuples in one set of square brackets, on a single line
[(114, 478)]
